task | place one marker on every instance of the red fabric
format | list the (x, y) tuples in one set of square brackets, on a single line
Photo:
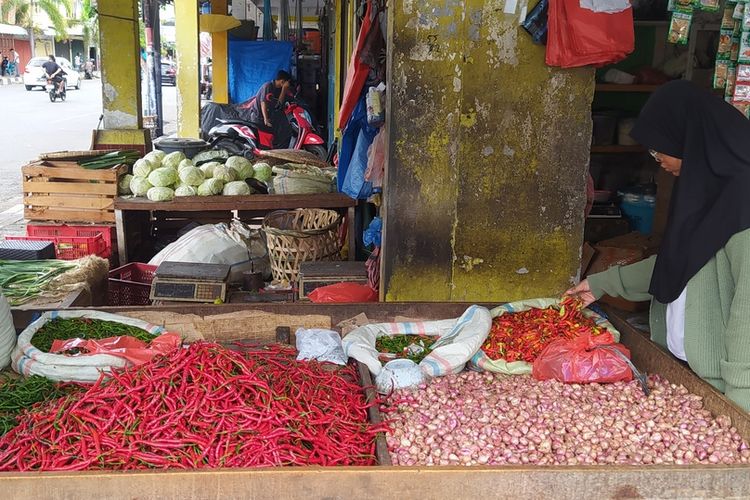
[(576, 361), (134, 350), (581, 37), (356, 74), (342, 293)]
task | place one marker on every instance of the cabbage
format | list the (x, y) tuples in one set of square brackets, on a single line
[(242, 165), (210, 187), (184, 164), (262, 172), (208, 168), (139, 186), (192, 176), (123, 187), (225, 174), (160, 194), (142, 167), (163, 177), (236, 188), (172, 159), (186, 191), (155, 157)]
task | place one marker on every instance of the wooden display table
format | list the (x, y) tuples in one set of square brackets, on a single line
[(244, 207)]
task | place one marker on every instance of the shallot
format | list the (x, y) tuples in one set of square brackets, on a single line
[(492, 419)]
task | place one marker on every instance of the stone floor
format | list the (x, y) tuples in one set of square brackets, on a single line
[(12, 222)]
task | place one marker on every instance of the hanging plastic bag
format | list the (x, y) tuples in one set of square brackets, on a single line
[(343, 293), (584, 359), (580, 37)]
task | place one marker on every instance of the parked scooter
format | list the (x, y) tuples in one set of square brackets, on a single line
[(56, 90), (248, 139)]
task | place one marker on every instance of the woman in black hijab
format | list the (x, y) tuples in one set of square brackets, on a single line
[(699, 283)]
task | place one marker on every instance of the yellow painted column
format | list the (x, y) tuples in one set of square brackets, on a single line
[(120, 64), (188, 68), (220, 57)]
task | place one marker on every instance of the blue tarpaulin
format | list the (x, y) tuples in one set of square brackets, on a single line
[(251, 64)]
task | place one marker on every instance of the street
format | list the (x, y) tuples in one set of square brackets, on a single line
[(31, 124)]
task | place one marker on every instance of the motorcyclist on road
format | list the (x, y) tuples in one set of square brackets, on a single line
[(55, 73)]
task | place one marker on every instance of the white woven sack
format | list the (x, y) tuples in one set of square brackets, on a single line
[(28, 360), (459, 339), (7, 333)]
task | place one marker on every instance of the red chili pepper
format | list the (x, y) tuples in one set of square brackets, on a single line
[(204, 406), (522, 336)]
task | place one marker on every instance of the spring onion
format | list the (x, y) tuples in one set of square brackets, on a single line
[(24, 280)]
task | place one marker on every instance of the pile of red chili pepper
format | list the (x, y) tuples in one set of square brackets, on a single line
[(201, 407), (521, 336)]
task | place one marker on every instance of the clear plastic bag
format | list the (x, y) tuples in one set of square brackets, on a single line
[(320, 345)]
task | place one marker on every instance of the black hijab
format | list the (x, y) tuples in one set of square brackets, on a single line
[(711, 197)]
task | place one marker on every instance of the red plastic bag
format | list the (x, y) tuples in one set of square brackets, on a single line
[(130, 348), (578, 361), (356, 74), (343, 292), (581, 37)]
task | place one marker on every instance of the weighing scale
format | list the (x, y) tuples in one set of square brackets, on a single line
[(190, 282)]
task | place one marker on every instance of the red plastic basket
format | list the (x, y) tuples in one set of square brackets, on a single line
[(46, 230), (71, 247), (130, 285)]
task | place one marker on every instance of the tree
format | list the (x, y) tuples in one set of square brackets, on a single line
[(21, 13)]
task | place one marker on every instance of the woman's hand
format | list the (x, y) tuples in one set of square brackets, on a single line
[(582, 291)]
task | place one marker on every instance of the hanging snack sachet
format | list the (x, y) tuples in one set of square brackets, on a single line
[(679, 28), (731, 79), (727, 21), (744, 57), (720, 74), (710, 5)]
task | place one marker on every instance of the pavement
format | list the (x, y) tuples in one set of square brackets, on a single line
[(30, 124)]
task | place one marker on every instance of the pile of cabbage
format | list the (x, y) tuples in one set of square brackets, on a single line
[(160, 177)]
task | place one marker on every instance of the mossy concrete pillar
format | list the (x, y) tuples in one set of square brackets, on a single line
[(487, 161), (120, 64), (188, 68)]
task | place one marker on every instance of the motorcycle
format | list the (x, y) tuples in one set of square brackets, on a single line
[(56, 90), (248, 139)]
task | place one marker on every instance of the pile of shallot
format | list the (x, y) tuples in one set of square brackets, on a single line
[(492, 419)]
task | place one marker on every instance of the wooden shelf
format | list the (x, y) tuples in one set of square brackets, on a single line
[(614, 87), (616, 148)]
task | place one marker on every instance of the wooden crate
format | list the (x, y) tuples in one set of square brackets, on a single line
[(64, 191), (384, 481)]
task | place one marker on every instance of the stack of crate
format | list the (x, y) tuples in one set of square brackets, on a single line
[(61, 191)]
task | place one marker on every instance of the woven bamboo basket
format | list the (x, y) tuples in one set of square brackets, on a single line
[(302, 235)]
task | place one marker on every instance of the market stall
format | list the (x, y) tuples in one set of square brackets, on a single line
[(132, 213), (230, 322)]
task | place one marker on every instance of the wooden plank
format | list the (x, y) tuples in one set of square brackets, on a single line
[(265, 202), (304, 483), (51, 214), (122, 240), (73, 172), (381, 445), (574, 482), (71, 201), (70, 188)]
